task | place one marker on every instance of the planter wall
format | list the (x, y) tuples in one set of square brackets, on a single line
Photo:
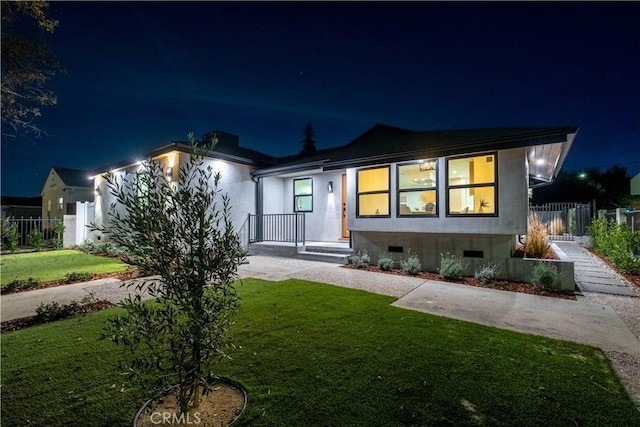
[(519, 269)]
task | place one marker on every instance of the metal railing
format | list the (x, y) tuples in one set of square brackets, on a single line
[(26, 225), (288, 228), (564, 221)]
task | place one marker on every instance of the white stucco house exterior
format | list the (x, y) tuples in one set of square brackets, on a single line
[(465, 192)]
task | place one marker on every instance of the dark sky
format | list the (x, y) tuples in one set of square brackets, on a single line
[(140, 75)]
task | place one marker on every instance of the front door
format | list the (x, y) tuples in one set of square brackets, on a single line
[(345, 232)]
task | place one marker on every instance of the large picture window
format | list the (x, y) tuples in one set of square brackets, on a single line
[(471, 185), (373, 192), (417, 188), (303, 195)]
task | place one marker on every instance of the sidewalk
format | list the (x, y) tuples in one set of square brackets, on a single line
[(583, 321)]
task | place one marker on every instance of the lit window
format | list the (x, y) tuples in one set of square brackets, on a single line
[(471, 185), (49, 205), (417, 188), (373, 192), (303, 195)]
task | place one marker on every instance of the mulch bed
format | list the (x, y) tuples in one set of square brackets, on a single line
[(503, 285), (519, 253), (122, 275), (25, 322)]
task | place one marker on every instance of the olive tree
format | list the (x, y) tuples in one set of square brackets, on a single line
[(182, 231)]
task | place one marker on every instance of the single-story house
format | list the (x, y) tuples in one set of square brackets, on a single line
[(62, 189), (392, 190)]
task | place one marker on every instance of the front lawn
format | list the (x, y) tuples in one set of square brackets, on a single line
[(314, 354), (54, 265)]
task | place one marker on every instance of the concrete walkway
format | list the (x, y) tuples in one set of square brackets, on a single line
[(592, 274), (581, 321)]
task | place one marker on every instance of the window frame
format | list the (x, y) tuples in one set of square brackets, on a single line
[(434, 188), (359, 193), (449, 187), (60, 203), (295, 196)]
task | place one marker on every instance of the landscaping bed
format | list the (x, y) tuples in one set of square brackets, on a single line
[(503, 285), (634, 279), (122, 275), (25, 322)]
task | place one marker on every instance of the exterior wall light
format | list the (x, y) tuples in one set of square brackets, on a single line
[(330, 187), (169, 174)]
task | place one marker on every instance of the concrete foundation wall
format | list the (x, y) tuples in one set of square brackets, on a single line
[(429, 247), (480, 250)]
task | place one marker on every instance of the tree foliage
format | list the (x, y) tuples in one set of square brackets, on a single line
[(309, 141), (183, 232), (610, 189), (27, 64)]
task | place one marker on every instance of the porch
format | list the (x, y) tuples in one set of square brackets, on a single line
[(333, 252), (284, 235)]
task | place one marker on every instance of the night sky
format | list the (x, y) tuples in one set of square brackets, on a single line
[(140, 75)]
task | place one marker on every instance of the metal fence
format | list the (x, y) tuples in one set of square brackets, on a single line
[(288, 228), (26, 226), (565, 221)]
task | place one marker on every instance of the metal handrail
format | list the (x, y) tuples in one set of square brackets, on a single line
[(285, 227)]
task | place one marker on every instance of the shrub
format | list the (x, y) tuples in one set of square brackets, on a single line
[(88, 246), (545, 276), (411, 265), (54, 311), (10, 233), (536, 244), (487, 273), (385, 262), (451, 266), (78, 277), (617, 242), (361, 259), (20, 285), (58, 235), (36, 238)]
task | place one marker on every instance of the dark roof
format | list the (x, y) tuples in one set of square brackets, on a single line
[(74, 177), (21, 201), (236, 154), (383, 144)]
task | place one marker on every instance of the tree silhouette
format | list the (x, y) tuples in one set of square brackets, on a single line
[(309, 141), (27, 64)]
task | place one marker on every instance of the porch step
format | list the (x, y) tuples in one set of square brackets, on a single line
[(335, 258), (273, 250), (329, 249)]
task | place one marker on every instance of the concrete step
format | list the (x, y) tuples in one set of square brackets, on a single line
[(335, 258), (329, 249), (273, 250)]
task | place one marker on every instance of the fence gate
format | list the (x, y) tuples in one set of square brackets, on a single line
[(565, 221)]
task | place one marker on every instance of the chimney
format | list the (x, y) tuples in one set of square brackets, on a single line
[(224, 139)]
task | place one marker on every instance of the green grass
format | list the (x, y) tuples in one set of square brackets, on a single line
[(313, 354), (54, 265)]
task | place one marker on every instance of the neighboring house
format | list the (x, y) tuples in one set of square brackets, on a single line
[(394, 190), (21, 207), (635, 185), (62, 189)]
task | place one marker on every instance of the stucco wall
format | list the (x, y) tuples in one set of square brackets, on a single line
[(236, 182), (513, 204), (273, 193), (325, 222)]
